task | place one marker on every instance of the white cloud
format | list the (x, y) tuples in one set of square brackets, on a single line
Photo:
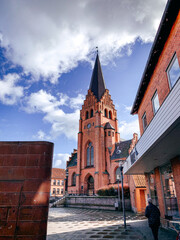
[(41, 136), (10, 92), (60, 160), (50, 39), (128, 108), (50, 106), (77, 102), (127, 129)]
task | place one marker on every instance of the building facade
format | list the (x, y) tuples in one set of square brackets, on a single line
[(157, 103), (57, 182), (94, 165)]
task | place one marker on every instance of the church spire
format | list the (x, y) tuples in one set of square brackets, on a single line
[(97, 85)]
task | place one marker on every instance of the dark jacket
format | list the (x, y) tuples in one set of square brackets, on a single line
[(153, 215)]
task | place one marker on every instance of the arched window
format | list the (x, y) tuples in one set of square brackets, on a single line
[(105, 112), (91, 112), (74, 179), (118, 174), (90, 155), (110, 115), (87, 115)]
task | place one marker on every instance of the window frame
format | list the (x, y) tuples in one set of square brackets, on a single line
[(105, 113), (91, 113), (152, 100), (87, 115), (90, 155), (173, 59), (74, 179), (144, 115), (54, 191)]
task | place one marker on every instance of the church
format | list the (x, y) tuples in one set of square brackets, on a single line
[(94, 165)]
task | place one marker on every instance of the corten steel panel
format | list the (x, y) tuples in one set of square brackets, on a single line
[(25, 173)]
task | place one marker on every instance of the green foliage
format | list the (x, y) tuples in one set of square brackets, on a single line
[(113, 192)]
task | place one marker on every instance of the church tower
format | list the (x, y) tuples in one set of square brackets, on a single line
[(98, 133), (94, 164)]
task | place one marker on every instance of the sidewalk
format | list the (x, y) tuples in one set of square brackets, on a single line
[(76, 224), (146, 231)]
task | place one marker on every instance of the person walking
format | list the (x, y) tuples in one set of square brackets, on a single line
[(153, 215)]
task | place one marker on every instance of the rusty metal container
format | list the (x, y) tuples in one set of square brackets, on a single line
[(25, 173)]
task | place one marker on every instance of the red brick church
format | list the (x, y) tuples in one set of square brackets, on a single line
[(94, 165)]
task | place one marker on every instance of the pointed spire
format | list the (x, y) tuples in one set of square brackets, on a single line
[(97, 85)]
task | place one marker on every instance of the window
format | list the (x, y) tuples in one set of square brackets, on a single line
[(113, 134), (74, 179), (173, 71), (110, 115), (87, 115), (109, 133), (152, 188), (57, 190), (54, 182), (90, 155), (61, 190), (58, 182), (144, 120), (169, 191), (62, 182), (54, 191), (91, 112), (155, 102), (105, 112)]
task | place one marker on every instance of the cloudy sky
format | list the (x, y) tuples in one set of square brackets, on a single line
[(47, 51)]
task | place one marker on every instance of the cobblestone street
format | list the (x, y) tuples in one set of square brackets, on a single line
[(73, 223)]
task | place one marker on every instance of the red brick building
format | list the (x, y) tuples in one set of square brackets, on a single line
[(57, 182), (157, 104), (94, 165)]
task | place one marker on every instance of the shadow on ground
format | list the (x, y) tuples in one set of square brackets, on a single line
[(106, 232)]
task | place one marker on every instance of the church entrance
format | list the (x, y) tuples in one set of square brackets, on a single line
[(90, 186)]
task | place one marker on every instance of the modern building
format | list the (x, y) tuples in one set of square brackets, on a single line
[(157, 103), (57, 182), (95, 163)]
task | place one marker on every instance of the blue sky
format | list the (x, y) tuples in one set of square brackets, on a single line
[(47, 51)]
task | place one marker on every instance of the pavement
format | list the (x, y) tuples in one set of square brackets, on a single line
[(76, 224)]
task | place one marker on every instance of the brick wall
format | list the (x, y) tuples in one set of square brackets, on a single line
[(159, 79), (25, 172)]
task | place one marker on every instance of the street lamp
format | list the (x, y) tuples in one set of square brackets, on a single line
[(123, 202), (118, 177)]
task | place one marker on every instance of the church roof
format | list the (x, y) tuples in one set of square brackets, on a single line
[(121, 150), (108, 126), (73, 161), (97, 85)]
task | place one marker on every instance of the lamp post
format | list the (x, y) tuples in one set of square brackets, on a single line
[(66, 186), (118, 177), (123, 202)]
